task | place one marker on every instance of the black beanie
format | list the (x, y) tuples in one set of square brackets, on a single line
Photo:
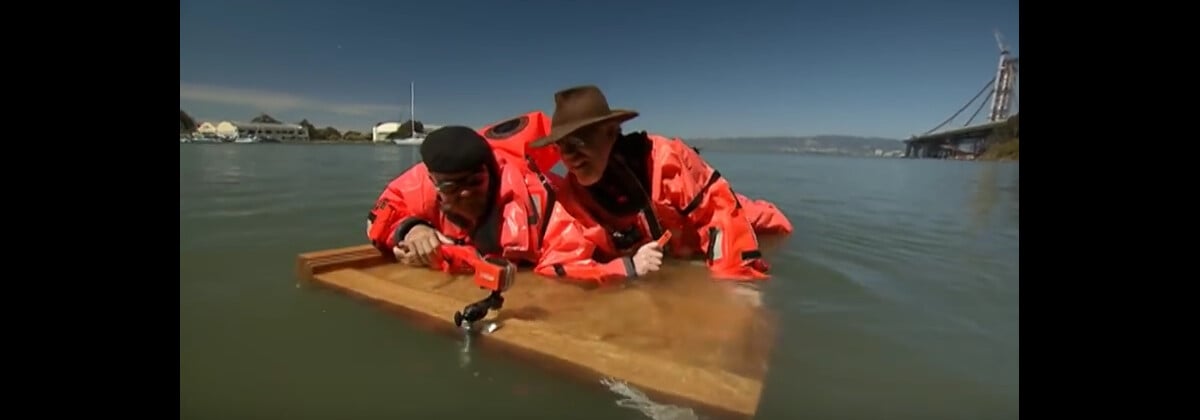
[(455, 149)]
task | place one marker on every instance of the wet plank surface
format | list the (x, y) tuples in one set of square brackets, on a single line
[(675, 334)]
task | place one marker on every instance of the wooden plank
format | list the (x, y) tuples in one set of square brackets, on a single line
[(359, 256), (676, 335)]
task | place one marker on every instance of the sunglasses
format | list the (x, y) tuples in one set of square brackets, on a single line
[(572, 142), (582, 139), (451, 186)]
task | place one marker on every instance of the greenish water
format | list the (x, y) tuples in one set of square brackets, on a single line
[(898, 295)]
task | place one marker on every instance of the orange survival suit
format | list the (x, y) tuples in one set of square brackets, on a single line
[(514, 227), (766, 218), (653, 184)]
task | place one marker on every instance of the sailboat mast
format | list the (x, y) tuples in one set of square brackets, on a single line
[(412, 106)]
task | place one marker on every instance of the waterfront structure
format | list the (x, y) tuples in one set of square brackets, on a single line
[(265, 131)]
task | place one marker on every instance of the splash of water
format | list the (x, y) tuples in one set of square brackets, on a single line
[(464, 352), (637, 400)]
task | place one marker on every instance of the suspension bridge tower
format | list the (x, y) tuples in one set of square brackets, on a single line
[(1006, 78)]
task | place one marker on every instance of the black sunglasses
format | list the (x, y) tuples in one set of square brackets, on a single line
[(451, 186)]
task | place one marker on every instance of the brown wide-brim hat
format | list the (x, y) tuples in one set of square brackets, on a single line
[(579, 107)]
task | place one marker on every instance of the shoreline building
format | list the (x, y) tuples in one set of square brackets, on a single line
[(382, 130), (272, 131), (207, 128)]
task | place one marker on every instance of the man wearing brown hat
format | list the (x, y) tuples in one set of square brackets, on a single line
[(626, 190)]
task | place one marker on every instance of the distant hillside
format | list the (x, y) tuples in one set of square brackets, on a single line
[(824, 144)]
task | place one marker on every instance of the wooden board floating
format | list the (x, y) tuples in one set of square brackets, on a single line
[(676, 335)]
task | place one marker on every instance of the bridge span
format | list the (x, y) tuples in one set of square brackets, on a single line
[(968, 141)]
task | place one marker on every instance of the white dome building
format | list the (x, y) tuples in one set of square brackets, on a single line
[(380, 131)]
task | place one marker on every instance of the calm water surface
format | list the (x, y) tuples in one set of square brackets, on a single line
[(898, 294)]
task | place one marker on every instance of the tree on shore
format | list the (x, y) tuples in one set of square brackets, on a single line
[(328, 133), (406, 130), (186, 123), (310, 129), (1005, 142), (1009, 131), (352, 135), (265, 119), (314, 133)]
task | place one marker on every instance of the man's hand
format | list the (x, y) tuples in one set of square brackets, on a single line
[(405, 255), (422, 241), (648, 259)]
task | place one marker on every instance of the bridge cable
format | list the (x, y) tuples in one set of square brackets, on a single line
[(960, 110), (976, 114)]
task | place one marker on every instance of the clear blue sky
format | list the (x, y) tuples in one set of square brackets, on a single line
[(692, 68)]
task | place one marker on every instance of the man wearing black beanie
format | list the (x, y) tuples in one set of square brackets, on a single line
[(480, 189), (461, 168)]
